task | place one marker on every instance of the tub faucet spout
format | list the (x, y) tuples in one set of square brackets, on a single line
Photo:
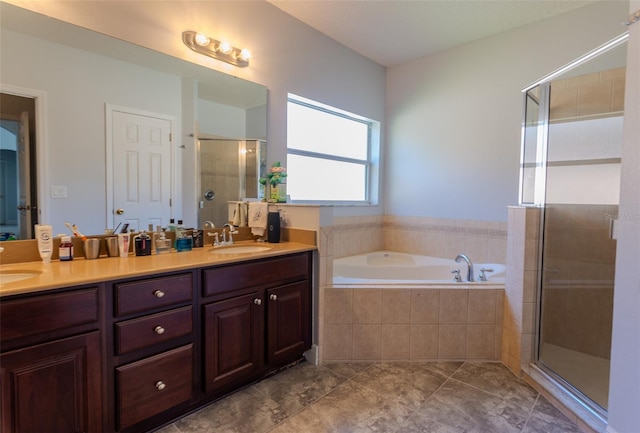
[(469, 266)]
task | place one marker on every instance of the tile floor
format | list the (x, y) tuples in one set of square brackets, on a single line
[(388, 397)]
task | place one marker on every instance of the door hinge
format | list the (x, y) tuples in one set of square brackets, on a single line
[(170, 202), (170, 136)]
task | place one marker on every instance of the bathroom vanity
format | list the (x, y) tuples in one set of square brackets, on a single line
[(137, 348)]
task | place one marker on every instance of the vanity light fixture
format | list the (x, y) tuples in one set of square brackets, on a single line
[(220, 50)]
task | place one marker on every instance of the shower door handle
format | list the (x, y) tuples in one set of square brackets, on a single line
[(613, 231)]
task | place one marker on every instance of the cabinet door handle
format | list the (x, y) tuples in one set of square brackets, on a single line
[(158, 293), (273, 297), (257, 301), (158, 330), (160, 385)]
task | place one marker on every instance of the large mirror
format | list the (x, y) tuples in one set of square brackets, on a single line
[(94, 100)]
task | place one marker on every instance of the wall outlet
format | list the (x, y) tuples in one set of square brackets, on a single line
[(58, 191)]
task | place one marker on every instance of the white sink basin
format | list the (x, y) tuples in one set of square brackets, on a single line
[(13, 276), (240, 249)]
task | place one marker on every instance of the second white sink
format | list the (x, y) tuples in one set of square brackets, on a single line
[(239, 249), (13, 276)]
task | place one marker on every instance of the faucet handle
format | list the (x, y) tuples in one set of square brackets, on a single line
[(482, 276), (456, 277)]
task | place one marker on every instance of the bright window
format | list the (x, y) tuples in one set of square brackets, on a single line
[(330, 156)]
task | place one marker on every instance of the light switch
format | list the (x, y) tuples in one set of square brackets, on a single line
[(58, 191)]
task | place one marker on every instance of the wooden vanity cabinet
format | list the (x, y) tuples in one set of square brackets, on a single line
[(151, 364), (131, 355), (257, 318), (51, 362)]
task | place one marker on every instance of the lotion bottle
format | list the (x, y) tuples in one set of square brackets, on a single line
[(44, 235)]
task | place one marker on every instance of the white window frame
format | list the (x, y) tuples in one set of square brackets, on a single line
[(370, 164)]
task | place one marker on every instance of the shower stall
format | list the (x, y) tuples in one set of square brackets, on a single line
[(230, 170), (570, 168)]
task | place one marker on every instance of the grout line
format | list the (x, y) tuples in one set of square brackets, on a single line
[(530, 412)]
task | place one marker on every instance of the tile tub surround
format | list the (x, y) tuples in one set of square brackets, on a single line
[(481, 241), (484, 241), (373, 324), (397, 397)]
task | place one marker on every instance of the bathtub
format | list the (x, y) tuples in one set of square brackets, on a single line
[(388, 268)]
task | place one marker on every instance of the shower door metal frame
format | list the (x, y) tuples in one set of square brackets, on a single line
[(540, 201)]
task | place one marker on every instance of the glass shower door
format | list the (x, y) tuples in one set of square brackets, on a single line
[(579, 249), (572, 171)]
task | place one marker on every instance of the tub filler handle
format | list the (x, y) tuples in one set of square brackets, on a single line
[(456, 275), (482, 276)]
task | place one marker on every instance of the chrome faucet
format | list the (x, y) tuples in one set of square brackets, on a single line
[(228, 228), (469, 266), (208, 225)]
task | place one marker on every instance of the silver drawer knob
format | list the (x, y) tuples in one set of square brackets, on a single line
[(257, 301), (158, 330), (273, 297), (158, 293), (160, 385)]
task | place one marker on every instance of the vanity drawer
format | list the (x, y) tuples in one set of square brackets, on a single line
[(153, 385), (149, 330), (44, 313), (152, 293), (219, 281)]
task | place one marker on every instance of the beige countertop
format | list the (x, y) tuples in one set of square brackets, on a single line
[(80, 271)]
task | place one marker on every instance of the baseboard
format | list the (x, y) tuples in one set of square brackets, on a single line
[(312, 355)]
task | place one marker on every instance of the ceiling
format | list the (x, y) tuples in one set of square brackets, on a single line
[(390, 32)]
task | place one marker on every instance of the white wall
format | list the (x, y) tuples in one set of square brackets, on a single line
[(454, 118), (287, 55), (624, 383), (222, 120), (78, 84)]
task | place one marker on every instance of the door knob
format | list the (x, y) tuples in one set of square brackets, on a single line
[(273, 297), (119, 211)]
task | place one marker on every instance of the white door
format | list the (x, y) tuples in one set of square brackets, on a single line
[(141, 169)]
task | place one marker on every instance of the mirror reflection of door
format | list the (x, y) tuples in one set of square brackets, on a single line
[(18, 209), (141, 146)]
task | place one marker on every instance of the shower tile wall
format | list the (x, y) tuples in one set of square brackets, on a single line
[(579, 265), (520, 288), (220, 176), (589, 94)]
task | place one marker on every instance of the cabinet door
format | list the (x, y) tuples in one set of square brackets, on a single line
[(233, 340), (288, 322), (53, 387)]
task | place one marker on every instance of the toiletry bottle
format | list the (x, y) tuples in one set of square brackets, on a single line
[(44, 235), (184, 241), (172, 225), (163, 244), (65, 251), (179, 230), (142, 244)]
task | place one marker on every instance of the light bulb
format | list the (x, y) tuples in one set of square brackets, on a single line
[(244, 55), (224, 47), (202, 40)]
